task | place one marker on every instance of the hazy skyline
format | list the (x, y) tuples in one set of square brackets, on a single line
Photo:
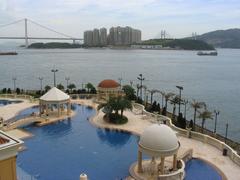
[(178, 17)]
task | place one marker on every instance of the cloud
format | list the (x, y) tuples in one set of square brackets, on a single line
[(178, 17)]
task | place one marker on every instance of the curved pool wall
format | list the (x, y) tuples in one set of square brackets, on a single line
[(4, 102), (198, 169), (65, 149)]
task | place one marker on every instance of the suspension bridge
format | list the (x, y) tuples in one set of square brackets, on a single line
[(26, 36)]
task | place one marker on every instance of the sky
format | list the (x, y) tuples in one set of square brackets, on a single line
[(178, 17)]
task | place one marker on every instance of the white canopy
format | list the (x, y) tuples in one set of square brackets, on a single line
[(55, 95)]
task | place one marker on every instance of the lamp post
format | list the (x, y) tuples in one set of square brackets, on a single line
[(54, 75), (185, 101), (120, 82), (41, 79), (216, 116), (140, 77), (180, 93), (131, 83), (67, 79), (14, 83), (226, 132)]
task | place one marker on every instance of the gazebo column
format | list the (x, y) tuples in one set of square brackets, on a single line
[(162, 165), (47, 110), (40, 108), (58, 109), (140, 169), (175, 162), (68, 108)]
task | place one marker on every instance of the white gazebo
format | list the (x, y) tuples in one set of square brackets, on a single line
[(54, 97), (158, 141)]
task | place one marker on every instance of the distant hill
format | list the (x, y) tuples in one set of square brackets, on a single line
[(222, 38), (186, 44)]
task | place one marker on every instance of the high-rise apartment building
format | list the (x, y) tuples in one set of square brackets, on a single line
[(88, 38), (103, 36), (118, 36)]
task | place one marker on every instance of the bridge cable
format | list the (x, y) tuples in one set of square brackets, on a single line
[(15, 22), (45, 27)]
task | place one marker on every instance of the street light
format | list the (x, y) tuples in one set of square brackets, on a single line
[(216, 116), (131, 83), (140, 77), (226, 133), (67, 79), (185, 102), (41, 79), (180, 93), (54, 75), (120, 82), (14, 83)]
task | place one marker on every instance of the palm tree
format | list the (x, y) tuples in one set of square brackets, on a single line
[(124, 104), (138, 88), (196, 105), (60, 86), (89, 86), (205, 114), (163, 95), (167, 98), (152, 92), (175, 100), (71, 86)]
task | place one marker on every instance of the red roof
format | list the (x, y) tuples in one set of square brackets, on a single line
[(108, 83), (3, 140)]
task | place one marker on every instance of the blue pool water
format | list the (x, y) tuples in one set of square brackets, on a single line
[(4, 102), (197, 169), (65, 149)]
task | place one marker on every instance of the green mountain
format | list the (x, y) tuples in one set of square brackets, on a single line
[(186, 44), (222, 38)]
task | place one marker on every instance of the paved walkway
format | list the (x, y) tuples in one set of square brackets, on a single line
[(11, 110)]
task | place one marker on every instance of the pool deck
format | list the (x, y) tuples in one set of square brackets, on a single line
[(11, 110), (137, 123)]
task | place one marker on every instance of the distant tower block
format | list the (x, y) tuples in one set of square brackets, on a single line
[(83, 176)]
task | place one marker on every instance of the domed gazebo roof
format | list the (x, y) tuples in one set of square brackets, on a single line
[(108, 83), (159, 140)]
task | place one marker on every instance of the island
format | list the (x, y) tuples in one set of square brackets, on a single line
[(53, 45)]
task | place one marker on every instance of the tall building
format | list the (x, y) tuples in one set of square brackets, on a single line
[(88, 38), (118, 36), (96, 37), (124, 36), (103, 36)]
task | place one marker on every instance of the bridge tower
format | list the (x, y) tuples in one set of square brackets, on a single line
[(26, 33)]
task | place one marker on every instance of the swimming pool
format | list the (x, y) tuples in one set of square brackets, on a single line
[(198, 169), (65, 149), (4, 102)]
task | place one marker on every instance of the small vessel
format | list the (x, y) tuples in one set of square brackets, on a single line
[(212, 53), (8, 53)]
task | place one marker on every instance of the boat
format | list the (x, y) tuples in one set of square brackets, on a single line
[(212, 53), (8, 53)]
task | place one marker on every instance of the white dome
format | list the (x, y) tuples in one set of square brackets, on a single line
[(159, 140)]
